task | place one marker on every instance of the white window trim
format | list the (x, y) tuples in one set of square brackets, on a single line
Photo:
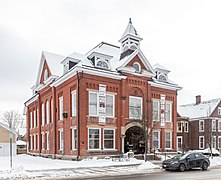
[(219, 142), (219, 110), (37, 140), (113, 139), (30, 142), (30, 120), (113, 105), (136, 63), (181, 137), (214, 130), (187, 127), (170, 103), (61, 148), (72, 129), (61, 108), (34, 112), (203, 142), (42, 114), (48, 112), (93, 115), (214, 137), (52, 116), (136, 97), (181, 126), (158, 131), (73, 110), (34, 139), (219, 125), (158, 102), (171, 142), (43, 138), (203, 126), (99, 140), (48, 141)]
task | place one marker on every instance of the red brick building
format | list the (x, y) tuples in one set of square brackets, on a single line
[(204, 118), (97, 102)]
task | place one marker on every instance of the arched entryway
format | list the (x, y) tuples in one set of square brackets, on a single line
[(134, 140)]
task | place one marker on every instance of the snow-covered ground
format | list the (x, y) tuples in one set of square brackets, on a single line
[(25, 166)]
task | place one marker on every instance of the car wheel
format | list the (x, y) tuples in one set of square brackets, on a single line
[(204, 166), (182, 167)]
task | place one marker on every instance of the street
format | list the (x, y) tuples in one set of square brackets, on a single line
[(196, 174)]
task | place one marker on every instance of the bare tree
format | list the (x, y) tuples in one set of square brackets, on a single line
[(13, 119)]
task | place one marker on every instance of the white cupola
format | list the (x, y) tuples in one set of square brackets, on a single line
[(130, 39)]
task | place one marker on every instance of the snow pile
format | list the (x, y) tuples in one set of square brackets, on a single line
[(147, 165), (215, 161)]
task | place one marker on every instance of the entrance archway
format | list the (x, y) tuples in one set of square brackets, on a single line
[(134, 140)]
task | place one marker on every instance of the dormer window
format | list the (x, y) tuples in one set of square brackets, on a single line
[(102, 64), (162, 78), (45, 74), (137, 67)]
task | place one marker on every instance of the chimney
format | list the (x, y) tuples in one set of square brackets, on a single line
[(198, 99)]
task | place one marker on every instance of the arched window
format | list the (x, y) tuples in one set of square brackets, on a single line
[(133, 47), (102, 64), (162, 78), (137, 67), (45, 74)]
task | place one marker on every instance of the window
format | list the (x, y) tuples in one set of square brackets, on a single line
[(47, 113), (43, 141), (109, 139), (94, 139), (45, 74), (93, 103), (43, 114), (179, 142), (201, 125), (156, 110), (137, 67), (179, 127), (135, 107), (213, 142), (61, 140), (156, 140), (48, 141), (219, 125), (219, 142), (34, 141), (186, 127), (219, 110), (30, 142), (213, 125), (168, 140), (162, 78), (110, 105), (37, 141), (168, 112), (30, 120), (73, 105), (74, 138), (52, 110), (34, 112), (61, 108), (103, 64), (201, 142)]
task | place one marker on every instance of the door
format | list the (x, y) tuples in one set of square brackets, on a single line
[(191, 161)]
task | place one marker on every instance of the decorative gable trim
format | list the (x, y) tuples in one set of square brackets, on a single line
[(41, 66), (143, 59)]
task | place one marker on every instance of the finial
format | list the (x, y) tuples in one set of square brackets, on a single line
[(130, 21)]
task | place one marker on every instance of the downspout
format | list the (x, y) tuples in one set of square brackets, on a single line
[(79, 76)]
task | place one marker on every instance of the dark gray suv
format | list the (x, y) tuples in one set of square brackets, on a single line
[(186, 161)]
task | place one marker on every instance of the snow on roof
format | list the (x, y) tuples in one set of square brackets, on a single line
[(53, 61), (203, 109), (20, 143), (158, 66), (130, 30)]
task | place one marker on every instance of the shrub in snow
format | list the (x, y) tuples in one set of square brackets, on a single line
[(107, 157), (95, 158)]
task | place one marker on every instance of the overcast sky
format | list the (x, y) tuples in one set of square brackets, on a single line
[(182, 35)]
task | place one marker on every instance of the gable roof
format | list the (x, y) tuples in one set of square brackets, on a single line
[(201, 110), (53, 62)]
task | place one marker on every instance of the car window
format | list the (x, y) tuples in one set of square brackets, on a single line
[(198, 155), (191, 156)]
